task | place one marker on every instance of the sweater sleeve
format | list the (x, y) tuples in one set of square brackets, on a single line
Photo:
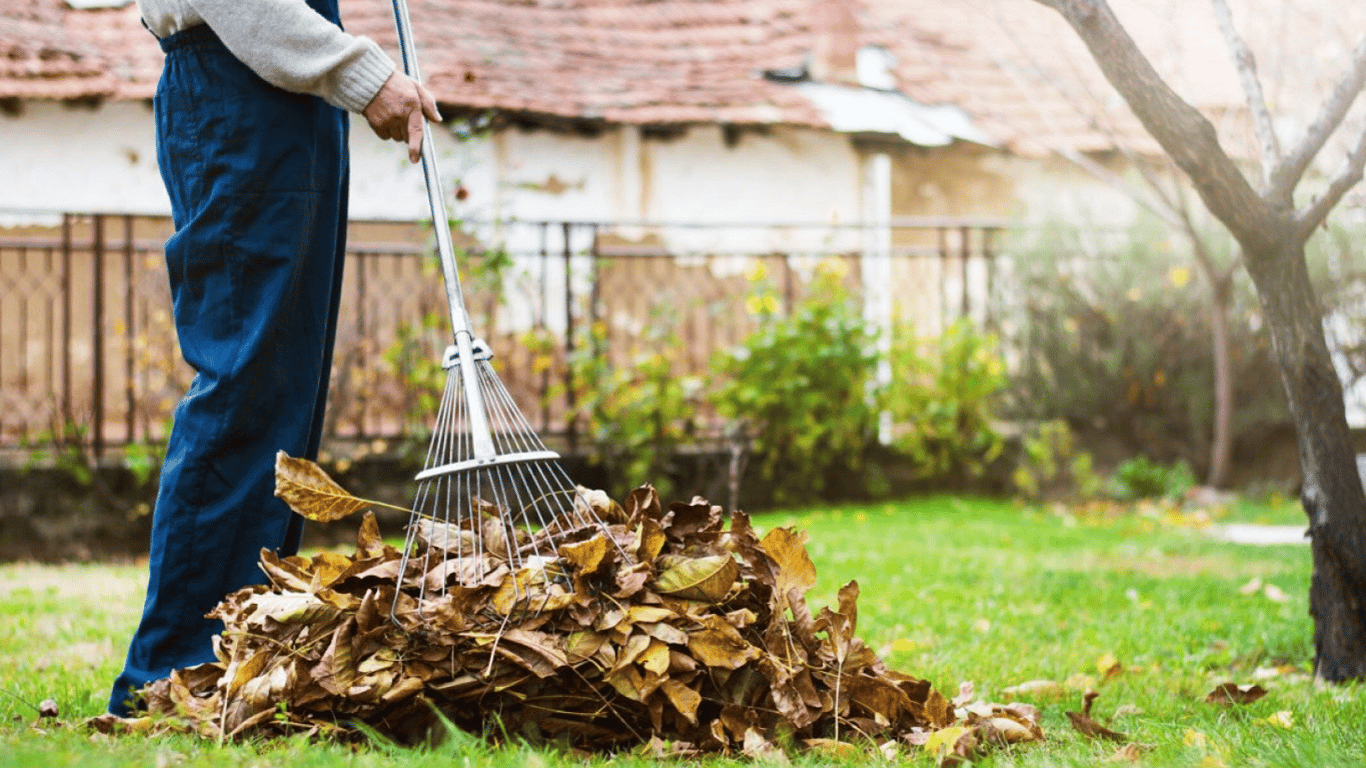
[(293, 47)]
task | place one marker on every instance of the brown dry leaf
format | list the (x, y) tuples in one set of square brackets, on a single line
[(1042, 689), (1130, 753), (1231, 693), (308, 490), (788, 550), (1085, 725)]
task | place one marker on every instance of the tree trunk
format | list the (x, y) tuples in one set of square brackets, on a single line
[(1332, 491), (1221, 445)]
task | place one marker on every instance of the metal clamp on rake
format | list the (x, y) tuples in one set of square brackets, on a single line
[(490, 495)]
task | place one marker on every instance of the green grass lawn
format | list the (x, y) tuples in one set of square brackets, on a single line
[(954, 590)]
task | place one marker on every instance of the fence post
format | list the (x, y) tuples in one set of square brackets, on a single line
[(571, 418), (97, 336), (541, 313), (129, 296), (66, 321), (965, 253), (989, 260)]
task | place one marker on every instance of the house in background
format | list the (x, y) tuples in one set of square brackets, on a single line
[(633, 127)]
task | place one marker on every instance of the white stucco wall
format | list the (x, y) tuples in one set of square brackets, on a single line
[(59, 158)]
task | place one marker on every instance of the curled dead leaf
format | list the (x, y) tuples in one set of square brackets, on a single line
[(1231, 693), (310, 492)]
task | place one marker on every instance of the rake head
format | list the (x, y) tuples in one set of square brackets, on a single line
[(491, 500)]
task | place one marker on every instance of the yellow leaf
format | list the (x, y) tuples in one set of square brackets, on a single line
[(1275, 594), (903, 645), (944, 738), (697, 578), (1283, 719), (655, 657), (1035, 688), (1108, 666), (683, 698), (586, 556), (1194, 738), (307, 489)]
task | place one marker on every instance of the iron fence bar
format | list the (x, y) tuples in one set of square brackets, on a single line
[(541, 311), (363, 260), (66, 320), (97, 336), (571, 399), (130, 400), (965, 253)]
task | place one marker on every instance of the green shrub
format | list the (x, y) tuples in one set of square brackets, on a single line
[(945, 396), (1052, 464), (1142, 478), (801, 386)]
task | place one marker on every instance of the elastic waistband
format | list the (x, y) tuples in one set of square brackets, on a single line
[(198, 35)]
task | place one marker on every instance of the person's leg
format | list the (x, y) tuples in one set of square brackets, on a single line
[(254, 175)]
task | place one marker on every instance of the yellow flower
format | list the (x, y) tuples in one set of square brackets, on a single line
[(1179, 276)]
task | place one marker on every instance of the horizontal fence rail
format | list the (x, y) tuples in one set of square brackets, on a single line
[(88, 353)]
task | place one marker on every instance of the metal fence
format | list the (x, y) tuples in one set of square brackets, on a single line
[(88, 352)]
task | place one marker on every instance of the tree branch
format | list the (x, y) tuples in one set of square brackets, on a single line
[(1185, 134), (1252, 90), (1312, 215), (1291, 168)]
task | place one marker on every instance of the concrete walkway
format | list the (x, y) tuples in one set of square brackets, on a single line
[(1248, 533)]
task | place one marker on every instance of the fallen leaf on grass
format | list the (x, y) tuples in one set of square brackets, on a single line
[(1042, 689), (1108, 666), (1231, 693), (1087, 726), (1130, 752), (1283, 719), (1275, 594)]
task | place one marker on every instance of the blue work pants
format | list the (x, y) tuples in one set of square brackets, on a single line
[(257, 178)]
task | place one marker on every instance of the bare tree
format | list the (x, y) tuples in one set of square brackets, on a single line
[(1272, 231)]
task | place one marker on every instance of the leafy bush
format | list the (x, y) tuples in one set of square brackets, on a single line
[(1050, 460), (802, 386), (945, 394), (1142, 478)]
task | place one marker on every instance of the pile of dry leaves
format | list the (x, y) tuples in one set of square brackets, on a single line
[(664, 630)]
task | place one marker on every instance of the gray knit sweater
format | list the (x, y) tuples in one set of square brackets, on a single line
[(285, 42)]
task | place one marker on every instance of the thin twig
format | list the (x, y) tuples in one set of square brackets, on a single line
[(1246, 65), (1292, 166)]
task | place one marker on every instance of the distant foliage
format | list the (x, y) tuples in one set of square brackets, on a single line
[(635, 414), (1115, 339)]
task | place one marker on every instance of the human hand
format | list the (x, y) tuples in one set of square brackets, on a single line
[(396, 112)]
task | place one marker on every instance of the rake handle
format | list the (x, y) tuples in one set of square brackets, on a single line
[(480, 433), (460, 318)]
